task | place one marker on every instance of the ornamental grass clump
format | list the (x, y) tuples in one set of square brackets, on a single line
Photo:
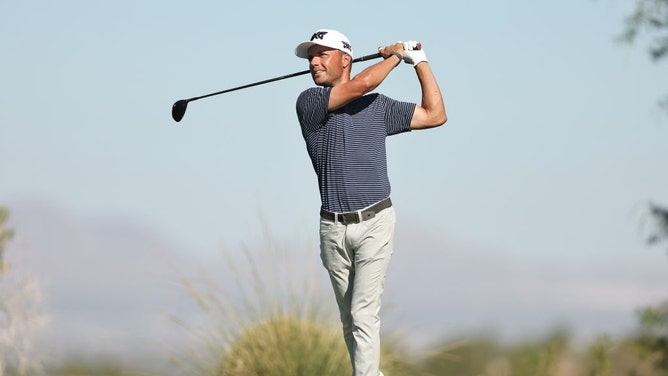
[(271, 312), (265, 313), (286, 346)]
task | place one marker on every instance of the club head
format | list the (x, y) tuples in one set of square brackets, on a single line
[(179, 109)]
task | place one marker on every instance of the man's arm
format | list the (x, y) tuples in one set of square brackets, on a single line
[(367, 80), (431, 113)]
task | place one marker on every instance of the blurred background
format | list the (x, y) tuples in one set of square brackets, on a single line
[(539, 205)]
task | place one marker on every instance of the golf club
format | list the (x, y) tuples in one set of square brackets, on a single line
[(179, 107)]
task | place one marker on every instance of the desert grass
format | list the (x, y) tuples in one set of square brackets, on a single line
[(286, 346), (270, 311)]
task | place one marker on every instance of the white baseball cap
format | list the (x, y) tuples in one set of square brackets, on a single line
[(327, 38)]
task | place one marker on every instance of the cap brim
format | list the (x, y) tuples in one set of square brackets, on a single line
[(302, 49)]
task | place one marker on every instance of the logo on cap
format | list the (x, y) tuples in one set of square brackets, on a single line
[(321, 35), (318, 35)]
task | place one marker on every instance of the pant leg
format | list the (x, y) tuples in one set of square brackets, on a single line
[(338, 261), (374, 241)]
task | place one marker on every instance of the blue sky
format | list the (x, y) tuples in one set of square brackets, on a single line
[(553, 146)]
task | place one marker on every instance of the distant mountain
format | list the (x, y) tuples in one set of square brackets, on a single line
[(108, 284)]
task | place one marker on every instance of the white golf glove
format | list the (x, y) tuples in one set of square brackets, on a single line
[(413, 55)]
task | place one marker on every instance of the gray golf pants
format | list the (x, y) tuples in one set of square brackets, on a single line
[(356, 257)]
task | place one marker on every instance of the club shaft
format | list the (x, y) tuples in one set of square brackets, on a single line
[(359, 59)]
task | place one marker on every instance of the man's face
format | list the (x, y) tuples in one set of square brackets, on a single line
[(327, 65)]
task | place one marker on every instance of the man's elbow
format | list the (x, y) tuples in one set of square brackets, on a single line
[(438, 120), (442, 119)]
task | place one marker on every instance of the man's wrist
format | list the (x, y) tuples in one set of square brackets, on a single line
[(401, 58)]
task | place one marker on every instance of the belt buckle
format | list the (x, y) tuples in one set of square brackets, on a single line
[(355, 218)]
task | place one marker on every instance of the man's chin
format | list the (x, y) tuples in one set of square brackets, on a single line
[(321, 82)]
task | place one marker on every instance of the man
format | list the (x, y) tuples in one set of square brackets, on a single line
[(345, 128)]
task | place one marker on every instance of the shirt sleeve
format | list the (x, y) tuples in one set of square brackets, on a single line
[(312, 106), (398, 116)]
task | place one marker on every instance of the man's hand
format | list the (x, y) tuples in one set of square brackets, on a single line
[(413, 54), (396, 49)]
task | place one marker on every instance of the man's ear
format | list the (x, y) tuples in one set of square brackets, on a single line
[(347, 60)]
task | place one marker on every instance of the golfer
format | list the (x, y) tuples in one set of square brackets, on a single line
[(344, 127)]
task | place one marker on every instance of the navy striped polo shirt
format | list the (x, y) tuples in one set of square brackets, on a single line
[(347, 146)]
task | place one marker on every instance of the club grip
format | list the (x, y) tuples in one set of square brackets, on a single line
[(367, 57)]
